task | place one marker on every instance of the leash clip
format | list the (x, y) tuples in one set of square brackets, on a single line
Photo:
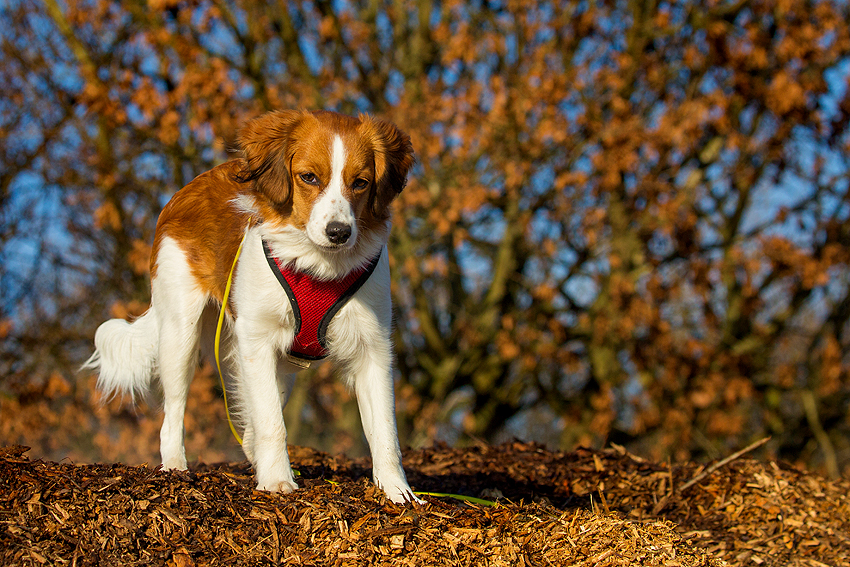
[(299, 362)]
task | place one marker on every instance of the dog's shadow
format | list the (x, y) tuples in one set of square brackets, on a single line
[(490, 486), (494, 487)]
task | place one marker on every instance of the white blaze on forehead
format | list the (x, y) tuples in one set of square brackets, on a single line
[(332, 206), (337, 164)]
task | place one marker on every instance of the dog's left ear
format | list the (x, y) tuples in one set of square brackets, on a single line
[(264, 142), (393, 160)]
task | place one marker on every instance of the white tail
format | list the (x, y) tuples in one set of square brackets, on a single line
[(125, 355)]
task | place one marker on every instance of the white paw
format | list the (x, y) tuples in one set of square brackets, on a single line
[(282, 486), (399, 492), (175, 463)]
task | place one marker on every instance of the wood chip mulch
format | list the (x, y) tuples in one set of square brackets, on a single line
[(588, 508)]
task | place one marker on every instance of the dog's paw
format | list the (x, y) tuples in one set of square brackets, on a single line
[(176, 463), (282, 486), (399, 492)]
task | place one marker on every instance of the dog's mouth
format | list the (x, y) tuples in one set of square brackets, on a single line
[(333, 238), (324, 245), (332, 248)]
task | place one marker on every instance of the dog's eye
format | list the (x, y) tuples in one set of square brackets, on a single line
[(309, 178), (360, 183)]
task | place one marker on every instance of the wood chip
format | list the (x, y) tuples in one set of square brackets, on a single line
[(741, 513)]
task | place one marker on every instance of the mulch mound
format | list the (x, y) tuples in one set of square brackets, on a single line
[(590, 508)]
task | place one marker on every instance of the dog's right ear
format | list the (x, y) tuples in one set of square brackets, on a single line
[(263, 142)]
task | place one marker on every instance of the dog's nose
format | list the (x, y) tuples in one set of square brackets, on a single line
[(338, 232)]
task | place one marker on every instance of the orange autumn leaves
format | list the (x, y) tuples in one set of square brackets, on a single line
[(598, 228)]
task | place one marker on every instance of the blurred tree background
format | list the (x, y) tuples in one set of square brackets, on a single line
[(629, 221)]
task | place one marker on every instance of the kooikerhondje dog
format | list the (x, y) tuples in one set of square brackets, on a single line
[(311, 196)]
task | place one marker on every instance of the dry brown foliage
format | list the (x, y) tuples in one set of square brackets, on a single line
[(629, 221)]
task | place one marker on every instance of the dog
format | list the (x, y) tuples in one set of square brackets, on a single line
[(309, 199)]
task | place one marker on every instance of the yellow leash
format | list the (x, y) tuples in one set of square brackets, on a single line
[(218, 333)]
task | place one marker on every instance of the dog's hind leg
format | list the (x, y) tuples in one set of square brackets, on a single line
[(180, 304)]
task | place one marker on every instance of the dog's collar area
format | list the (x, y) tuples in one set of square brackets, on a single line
[(314, 304)]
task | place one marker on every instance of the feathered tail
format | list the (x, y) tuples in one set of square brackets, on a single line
[(125, 355)]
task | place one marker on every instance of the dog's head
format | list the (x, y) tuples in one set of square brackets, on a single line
[(327, 174)]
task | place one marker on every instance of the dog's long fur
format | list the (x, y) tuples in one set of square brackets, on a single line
[(299, 172)]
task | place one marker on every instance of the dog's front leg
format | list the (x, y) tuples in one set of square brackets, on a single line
[(266, 443), (373, 385), (285, 383)]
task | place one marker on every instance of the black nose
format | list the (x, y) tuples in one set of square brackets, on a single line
[(338, 232)]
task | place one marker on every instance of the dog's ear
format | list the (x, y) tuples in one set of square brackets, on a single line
[(393, 159), (263, 142)]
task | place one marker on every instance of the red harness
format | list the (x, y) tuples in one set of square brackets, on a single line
[(315, 302)]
